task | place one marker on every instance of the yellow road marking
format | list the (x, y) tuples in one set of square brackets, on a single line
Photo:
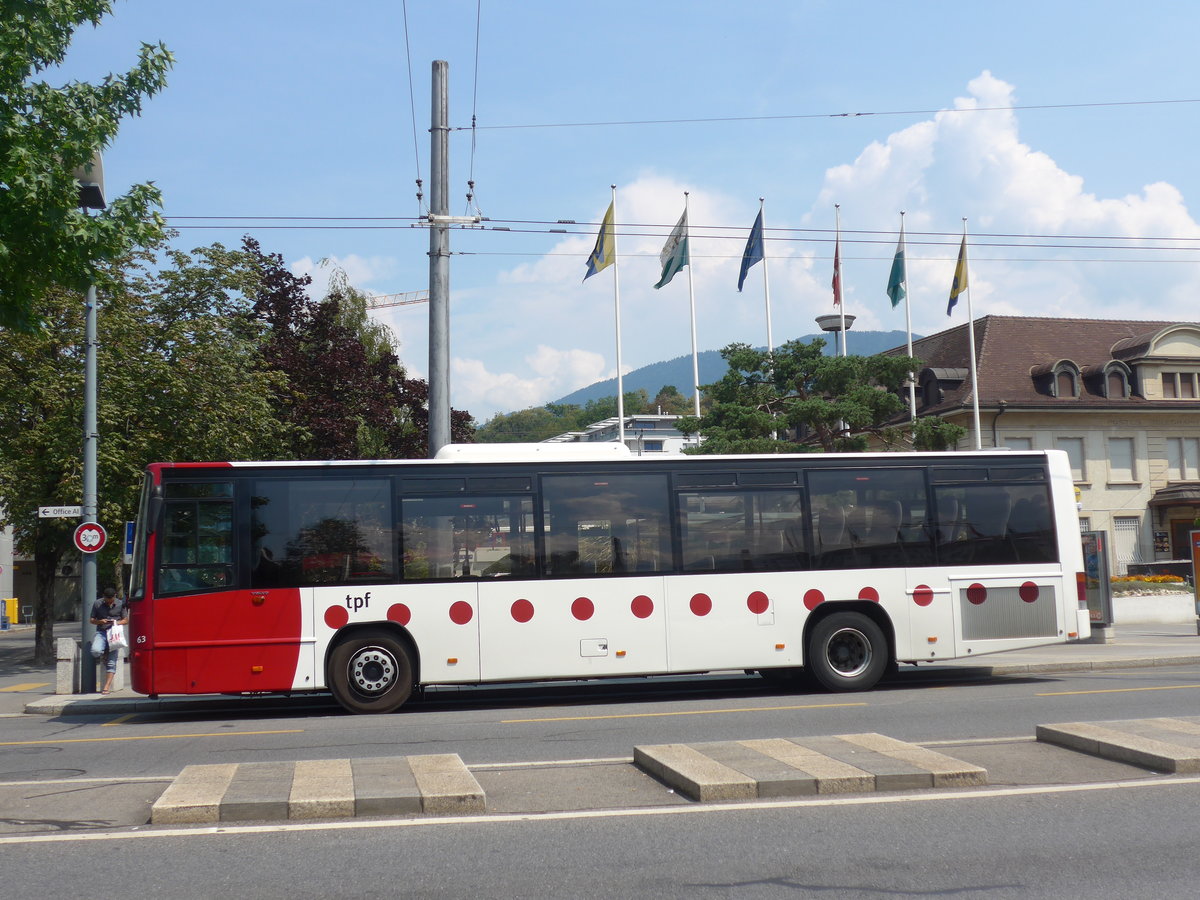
[(12, 688), (684, 712), (150, 737), (1165, 687), (119, 720)]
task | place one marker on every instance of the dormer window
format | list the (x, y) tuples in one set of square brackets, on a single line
[(1064, 383), (1179, 385), (1060, 379), (1116, 380)]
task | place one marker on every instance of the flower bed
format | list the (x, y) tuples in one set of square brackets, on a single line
[(1144, 585)]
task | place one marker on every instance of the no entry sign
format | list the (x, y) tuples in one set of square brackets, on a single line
[(90, 537)]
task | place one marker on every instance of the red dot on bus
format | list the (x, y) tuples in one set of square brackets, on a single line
[(869, 593), (399, 613), (758, 603), (582, 609), (336, 617), (923, 595), (461, 612), (1029, 592), (813, 598), (701, 604), (522, 610), (642, 606), (976, 593)]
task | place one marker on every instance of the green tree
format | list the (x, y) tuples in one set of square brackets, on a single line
[(525, 426), (346, 395), (669, 401), (48, 132), (798, 400), (180, 379)]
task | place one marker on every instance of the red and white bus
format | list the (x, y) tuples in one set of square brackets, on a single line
[(506, 563)]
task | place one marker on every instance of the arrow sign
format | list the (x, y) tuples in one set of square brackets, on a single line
[(90, 537), (60, 512)]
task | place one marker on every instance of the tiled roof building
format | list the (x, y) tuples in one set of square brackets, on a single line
[(1122, 398)]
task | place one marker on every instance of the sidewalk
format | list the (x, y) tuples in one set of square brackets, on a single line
[(30, 689)]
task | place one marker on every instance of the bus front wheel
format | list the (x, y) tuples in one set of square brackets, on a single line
[(370, 672), (847, 651)]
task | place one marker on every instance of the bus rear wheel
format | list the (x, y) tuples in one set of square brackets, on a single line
[(847, 651), (370, 672)]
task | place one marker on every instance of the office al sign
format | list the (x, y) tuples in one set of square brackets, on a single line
[(60, 512)]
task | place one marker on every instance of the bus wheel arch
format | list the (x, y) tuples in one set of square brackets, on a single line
[(849, 646), (372, 668)]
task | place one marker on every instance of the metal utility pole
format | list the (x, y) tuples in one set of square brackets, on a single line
[(87, 566), (439, 261), (91, 196)]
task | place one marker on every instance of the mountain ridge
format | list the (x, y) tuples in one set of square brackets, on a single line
[(678, 371)]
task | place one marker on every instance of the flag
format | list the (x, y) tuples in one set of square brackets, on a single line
[(960, 277), (837, 271), (674, 254), (603, 254), (897, 277), (754, 249)]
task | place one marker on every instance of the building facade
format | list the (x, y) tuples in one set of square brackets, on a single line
[(1122, 398), (645, 435)]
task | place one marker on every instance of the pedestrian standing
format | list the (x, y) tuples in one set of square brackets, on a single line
[(108, 611)]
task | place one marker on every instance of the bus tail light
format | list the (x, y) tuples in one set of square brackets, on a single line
[(1081, 588), (256, 670)]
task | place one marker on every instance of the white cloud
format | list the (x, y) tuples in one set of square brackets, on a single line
[(363, 272), (534, 332), (556, 372)]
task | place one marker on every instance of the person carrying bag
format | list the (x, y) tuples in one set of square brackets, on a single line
[(110, 615)]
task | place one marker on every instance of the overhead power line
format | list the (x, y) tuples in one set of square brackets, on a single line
[(700, 120)]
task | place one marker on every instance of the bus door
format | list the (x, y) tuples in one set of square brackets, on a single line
[(210, 634), (737, 602), (599, 608)]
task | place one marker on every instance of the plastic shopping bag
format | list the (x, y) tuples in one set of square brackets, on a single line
[(116, 637)]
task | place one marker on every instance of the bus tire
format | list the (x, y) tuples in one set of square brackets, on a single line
[(847, 651), (371, 672)]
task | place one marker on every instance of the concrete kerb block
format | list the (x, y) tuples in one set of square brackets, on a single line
[(693, 774), (446, 785), (1096, 739), (66, 672), (322, 789), (194, 797)]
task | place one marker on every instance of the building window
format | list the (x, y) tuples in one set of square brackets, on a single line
[(1074, 450), (1126, 546), (1179, 385), (1018, 443), (1121, 464), (1117, 386), (1064, 383), (1085, 523), (1183, 459)]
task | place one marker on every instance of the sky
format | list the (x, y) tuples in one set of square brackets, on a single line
[(1045, 126)]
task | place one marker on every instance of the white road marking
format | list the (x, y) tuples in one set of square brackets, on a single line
[(505, 819)]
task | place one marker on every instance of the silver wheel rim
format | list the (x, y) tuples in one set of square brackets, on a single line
[(848, 652), (373, 669)]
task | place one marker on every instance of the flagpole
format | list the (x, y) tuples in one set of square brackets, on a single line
[(617, 306), (971, 340), (912, 381), (687, 236), (840, 299), (766, 285)]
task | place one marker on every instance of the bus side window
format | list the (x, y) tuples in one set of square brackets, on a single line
[(197, 542), (869, 518), (605, 525), (742, 531)]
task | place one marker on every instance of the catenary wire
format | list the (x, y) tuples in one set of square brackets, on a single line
[(699, 120)]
